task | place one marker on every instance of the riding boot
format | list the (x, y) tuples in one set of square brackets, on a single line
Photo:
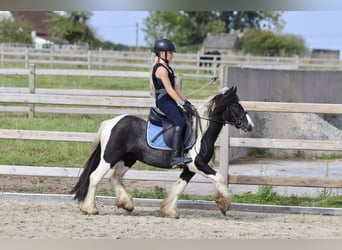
[(177, 157)]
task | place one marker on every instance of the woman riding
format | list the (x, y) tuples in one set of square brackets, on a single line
[(169, 98)]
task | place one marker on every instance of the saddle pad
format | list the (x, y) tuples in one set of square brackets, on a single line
[(159, 143)]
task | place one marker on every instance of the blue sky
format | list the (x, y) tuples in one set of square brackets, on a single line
[(320, 29)]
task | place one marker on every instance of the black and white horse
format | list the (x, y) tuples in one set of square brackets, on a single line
[(121, 142)]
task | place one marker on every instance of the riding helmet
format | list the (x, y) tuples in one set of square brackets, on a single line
[(164, 45)]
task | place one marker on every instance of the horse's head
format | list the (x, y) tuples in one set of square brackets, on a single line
[(226, 108)]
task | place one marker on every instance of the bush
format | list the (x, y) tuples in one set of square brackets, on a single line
[(268, 43)]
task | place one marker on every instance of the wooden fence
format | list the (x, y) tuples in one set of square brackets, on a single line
[(142, 60), (139, 104)]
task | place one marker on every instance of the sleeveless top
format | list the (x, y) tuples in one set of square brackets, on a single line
[(158, 85)]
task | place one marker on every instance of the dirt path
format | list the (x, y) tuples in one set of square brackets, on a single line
[(59, 220)]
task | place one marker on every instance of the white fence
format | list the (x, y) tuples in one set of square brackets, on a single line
[(142, 61)]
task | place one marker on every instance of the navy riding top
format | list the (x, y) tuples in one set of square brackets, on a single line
[(160, 91)]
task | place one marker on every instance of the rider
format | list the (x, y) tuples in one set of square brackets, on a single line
[(169, 98)]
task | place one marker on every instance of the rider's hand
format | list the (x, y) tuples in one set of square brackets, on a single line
[(186, 106)]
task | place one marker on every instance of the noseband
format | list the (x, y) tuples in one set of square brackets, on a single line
[(237, 120)]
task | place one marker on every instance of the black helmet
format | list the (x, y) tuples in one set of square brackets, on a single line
[(164, 45)]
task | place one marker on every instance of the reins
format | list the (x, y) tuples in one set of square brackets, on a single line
[(212, 80)]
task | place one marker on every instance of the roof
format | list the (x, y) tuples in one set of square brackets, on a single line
[(37, 22), (220, 41), (35, 19)]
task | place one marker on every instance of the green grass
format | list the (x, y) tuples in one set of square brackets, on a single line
[(105, 83), (266, 195)]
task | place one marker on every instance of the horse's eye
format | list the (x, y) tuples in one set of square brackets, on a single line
[(235, 106)]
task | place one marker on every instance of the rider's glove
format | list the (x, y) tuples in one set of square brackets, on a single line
[(186, 106)]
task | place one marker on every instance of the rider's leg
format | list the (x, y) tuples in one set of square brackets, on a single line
[(172, 111), (177, 157)]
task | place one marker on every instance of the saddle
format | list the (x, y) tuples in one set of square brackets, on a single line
[(160, 131)]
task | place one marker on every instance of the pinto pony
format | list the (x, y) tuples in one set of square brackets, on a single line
[(121, 142)]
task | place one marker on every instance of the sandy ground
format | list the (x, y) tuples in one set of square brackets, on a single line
[(59, 220), (62, 220)]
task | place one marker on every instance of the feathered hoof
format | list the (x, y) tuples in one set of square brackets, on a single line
[(88, 211), (169, 214), (223, 202), (128, 206)]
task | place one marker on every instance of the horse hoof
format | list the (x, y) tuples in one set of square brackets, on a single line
[(125, 204), (172, 215), (129, 209), (92, 212), (222, 202), (88, 211)]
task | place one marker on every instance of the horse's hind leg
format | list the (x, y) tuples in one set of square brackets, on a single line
[(123, 199), (168, 207), (88, 205)]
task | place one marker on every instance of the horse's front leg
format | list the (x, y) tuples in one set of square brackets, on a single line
[(222, 195), (168, 207)]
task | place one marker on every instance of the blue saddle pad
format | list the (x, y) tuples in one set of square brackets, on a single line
[(159, 143)]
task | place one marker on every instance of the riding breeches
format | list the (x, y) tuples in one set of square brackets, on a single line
[(171, 110)]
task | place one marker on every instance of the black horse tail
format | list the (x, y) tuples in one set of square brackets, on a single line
[(81, 188)]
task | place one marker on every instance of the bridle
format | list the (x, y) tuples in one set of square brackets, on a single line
[(237, 120)]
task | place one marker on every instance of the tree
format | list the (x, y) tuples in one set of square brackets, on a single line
[(268, 43), (14, 31), (73, 27), (189, 28)]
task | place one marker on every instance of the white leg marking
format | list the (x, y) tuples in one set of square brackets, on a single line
[(123, 199), (168, 207), (88, 206)]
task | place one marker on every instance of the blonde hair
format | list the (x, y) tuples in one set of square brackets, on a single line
[(156, 60)]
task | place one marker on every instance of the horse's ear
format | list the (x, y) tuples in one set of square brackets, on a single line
[(234, 89)]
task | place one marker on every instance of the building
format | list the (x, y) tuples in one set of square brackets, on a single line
[(222, 42), (325, 54), (40, 28)]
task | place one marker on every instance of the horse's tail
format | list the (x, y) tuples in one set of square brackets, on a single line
[(81, 188)]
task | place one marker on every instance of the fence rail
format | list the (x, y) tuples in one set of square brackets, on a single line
[(102, 59), (140, 104)]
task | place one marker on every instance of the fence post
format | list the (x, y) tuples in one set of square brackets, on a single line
[(51, 56), (198, 58), (89, 59), (224, 153), (100, 58), (151, 64), (179, 80), (27, 58), (32, 88), (2, 56)]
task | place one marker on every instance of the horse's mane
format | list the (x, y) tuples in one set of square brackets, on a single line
[(220, 101)]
